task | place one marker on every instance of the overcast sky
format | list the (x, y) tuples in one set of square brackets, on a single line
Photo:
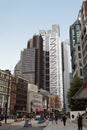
[(21, 19)]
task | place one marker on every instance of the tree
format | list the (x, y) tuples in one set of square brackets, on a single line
[(75, 85), (57, 101)]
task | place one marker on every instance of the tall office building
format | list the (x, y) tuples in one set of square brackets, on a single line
[(30, 65), (66, 58), (83, 39), (76, 49), (45, 58), (53, 45)]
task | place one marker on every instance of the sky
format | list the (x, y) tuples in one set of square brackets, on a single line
[(21, 19)]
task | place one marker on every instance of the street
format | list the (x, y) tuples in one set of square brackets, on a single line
[(20, 126), (43, 126), (60, 126)]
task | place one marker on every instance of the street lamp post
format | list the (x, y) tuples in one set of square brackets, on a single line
[(7, 98)]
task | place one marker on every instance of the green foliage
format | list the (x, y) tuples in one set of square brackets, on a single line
[(75, 85)]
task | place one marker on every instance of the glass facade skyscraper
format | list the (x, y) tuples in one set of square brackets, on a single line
[(53, 45)]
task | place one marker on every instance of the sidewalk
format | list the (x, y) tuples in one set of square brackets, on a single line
[(12, 121), (60, 126), (9, 121)]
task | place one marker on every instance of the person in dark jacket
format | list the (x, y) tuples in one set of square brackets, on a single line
[(64, 118), (56, 117), (79, 121), (52, 116)]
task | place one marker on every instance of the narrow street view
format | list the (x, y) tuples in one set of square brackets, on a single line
[(43, 65)]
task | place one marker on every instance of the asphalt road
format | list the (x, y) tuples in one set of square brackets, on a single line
[(20, 126)]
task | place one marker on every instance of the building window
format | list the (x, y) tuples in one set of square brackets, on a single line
[(86, 47), (85, 38), (79, 55), (1, 96), (80, 63), (81, 72), (79, 48)]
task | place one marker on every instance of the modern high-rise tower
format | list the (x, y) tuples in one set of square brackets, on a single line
[(76, 49), (45, 58), (83, 38), (66, 60), (30, 65), (53, 45)]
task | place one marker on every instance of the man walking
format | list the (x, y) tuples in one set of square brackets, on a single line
[(79, 121), (64, 119), (56, 117)]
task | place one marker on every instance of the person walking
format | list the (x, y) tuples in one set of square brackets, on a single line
[(79, 121), (56, 117), (52, 117), (64, 118)]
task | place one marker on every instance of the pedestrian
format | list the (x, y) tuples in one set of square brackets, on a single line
[(56, 117), (30, 117), (52, 116), (79, 121), (64, 118), (26, 123)]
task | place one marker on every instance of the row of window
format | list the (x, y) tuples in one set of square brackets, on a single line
[(37, 96), (2, 96), (3, 89), (85, 73), (85, 40), (81, 72), (37, 102), (4, 82)]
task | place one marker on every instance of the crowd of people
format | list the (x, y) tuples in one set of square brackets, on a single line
[(55, 117)]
